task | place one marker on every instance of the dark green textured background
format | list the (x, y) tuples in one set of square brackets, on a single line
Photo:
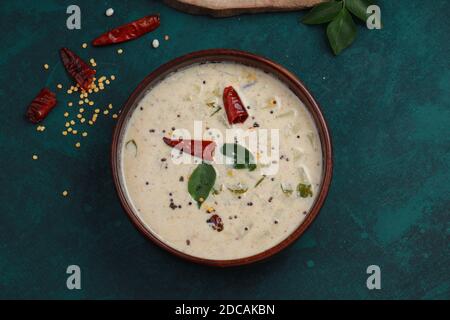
[(386, 100)]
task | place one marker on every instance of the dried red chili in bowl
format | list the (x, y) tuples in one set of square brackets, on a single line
[(128, 31), (198, 148), (236, 112), (77, 68), (41, 106)]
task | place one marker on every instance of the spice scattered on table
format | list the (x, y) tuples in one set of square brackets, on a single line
[(120, 51), (155, 43), (127, 32), (109, 12)]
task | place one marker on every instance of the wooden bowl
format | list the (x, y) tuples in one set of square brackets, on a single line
[(224, 55)]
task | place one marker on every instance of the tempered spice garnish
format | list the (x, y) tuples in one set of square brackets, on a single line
[(128, 31), (41, 106), (215, 222), (77, 68)]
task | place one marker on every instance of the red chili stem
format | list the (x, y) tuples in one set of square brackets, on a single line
[(198, 148), (41, 106), (128, 31), (236, 112), (77, 68)]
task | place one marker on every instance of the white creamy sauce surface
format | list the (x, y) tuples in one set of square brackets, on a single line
[(253, 221)]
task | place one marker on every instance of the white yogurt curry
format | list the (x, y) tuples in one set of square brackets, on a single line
[(210, 209)]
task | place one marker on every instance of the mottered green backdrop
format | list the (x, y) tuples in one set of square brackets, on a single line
[(387, 103)]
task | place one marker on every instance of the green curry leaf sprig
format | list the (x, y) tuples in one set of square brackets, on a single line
[(341, 30)]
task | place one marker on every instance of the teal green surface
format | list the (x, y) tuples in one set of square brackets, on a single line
[(387, 103)]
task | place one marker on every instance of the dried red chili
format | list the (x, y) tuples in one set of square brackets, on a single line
[(234, 107), (215, 222), (198, 148), (128, 31), (77, 68), (41, 106)]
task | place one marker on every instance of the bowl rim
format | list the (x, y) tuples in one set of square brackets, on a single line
[(246, 58)]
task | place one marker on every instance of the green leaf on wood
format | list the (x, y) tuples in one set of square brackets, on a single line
[(359, 8), (322, 13), (341, 31)]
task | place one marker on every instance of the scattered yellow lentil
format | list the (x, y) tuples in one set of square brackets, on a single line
[(69, 91), (120, 51), (166, 37), (110, 106), (82, 120), (72, 122), (91, 103), (65, 193), (81, 110), (114, 116), (90, 122), (46, 66), (70, 104), (35, 157), (105, 112), (107, 82), (59, 86), (69, 129), (79, 116), (97, 110), (113, 77), (64, 133), (67, 124), (74, 132), (80, 103), (84, 134), (77, 145), (84, 45), (96, 90)]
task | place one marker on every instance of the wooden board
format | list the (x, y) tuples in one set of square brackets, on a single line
[(226, 8)]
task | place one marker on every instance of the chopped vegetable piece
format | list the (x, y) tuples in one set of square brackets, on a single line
[(238, 189), (304, 190), (287, 189), (260, 181)]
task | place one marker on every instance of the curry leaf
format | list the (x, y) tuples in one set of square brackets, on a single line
[(322, 13), (341, 31), (201, 182), (242, 158), (359, 8)]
